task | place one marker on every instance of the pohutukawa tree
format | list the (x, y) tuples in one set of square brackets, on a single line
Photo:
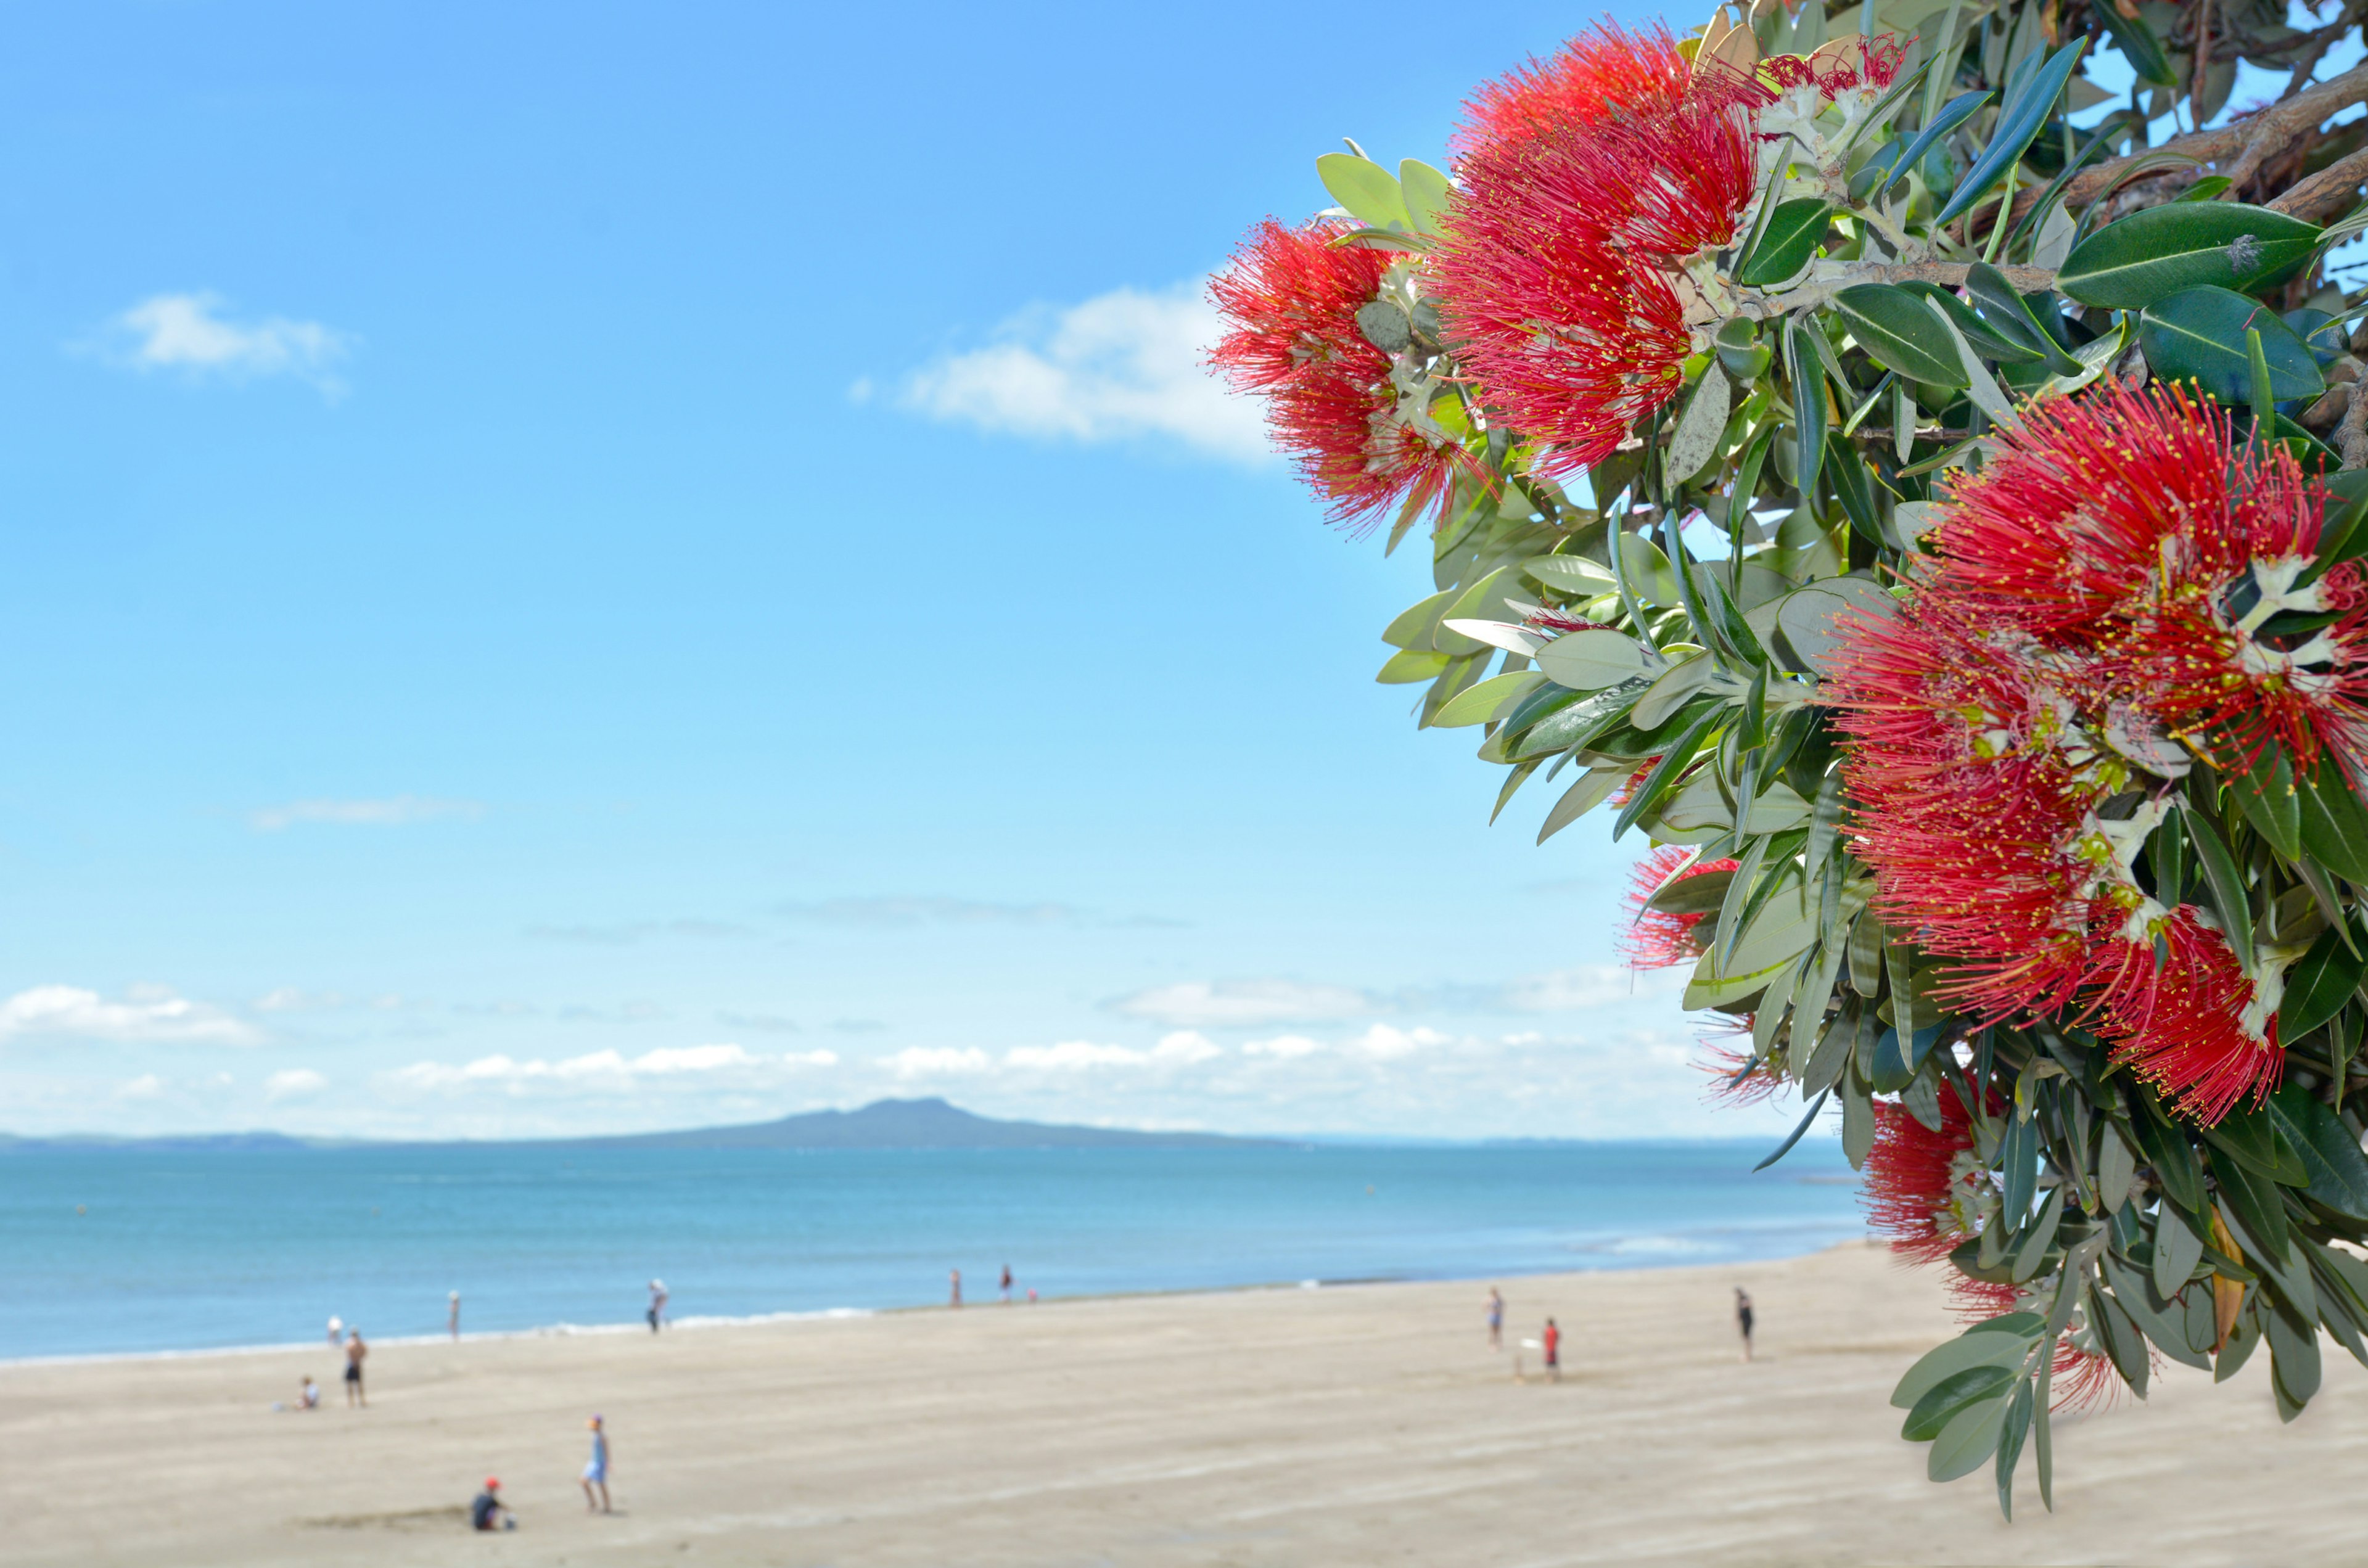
[(1923, 494)]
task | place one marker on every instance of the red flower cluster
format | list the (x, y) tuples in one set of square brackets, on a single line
[(2101, 607), (1583, 182), (1290, 298), (1586, 184), (1655, 938)]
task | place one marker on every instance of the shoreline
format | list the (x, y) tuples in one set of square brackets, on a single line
[(1631, 1263)]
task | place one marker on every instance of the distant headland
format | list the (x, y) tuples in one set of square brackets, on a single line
[(929, 1123)]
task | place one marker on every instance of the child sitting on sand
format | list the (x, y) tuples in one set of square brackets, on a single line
[(488, 1506)]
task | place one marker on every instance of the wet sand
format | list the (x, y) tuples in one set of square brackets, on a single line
[(1349, 1425)]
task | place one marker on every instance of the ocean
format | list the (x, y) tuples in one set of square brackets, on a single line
[(118, 1251)]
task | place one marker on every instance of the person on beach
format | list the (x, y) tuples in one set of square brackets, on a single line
[(1496, 1320), (355, 1354), (956, 1275), (1554, 1351), (1007, 1284), (597, 1472), (452, 1315), (336, 1330), (310, 1398), (488, 1512), (1032, 1295), (1743, 1318), (658, 1303)]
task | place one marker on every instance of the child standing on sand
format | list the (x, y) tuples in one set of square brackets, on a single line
[(1496, 1320), (597, 1472), (1743, 1318), (1554, 1351)]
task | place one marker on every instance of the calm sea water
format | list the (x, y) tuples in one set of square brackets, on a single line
[(115, 1251)]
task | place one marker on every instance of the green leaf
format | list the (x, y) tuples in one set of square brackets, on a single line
[(2172, 1156), (2157, 252), (2334, 823), (1987, 340), (1412, 665), (2138, 46), (2110, 1321), (2294, 1359), (1369, 191), (1413, 626), (1950, 1394), (2250, 1204), (1970, 1438), (1592, 788), (1478, 704), (1810, 413), (2003, 1341), (2022, 1168), (1959, 111), (1589, 661), (1425, 192), (1899, 333), (2177, 1250), (2318, 985), (2252, 1137), (2019, 121), (2150, 1312), (1786, 244), (1701, 427), (2266, 795), (1666, 772), (2226, 883), (2198, 335), (2338, 1171), (2018, 1425)]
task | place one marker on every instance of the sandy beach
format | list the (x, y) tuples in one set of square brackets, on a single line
[(1349, 1425)]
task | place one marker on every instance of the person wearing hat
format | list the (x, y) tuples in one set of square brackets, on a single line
[(489, 1506), (597, 1472)]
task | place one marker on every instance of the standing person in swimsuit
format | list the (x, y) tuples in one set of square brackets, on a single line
[(355, 1354), (956, 1275), (1743, 1318), (1007, 1284), (597, 1472), (1554, 1351), (1496, 1320), (658, 1303), (452, 1317)]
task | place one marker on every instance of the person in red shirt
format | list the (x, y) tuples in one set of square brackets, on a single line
[(1554, 1351)]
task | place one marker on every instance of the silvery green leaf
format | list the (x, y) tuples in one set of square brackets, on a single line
[(1671, 689), (1499, 634), (1589, 661), (1700, 427)]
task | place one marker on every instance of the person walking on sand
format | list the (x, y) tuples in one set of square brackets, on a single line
[(658, 1303), (1743, 1318), (1007, 1284), (452, 1315), (1554, 1351), (597, 1472), (1496, 1319), (355, 1354), (956, 1275)]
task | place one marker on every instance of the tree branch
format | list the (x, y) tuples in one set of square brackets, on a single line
[(2333, 187)]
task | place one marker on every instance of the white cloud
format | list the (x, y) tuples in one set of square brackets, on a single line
[(1185, 1046), (1284, 1046), (185, 332), (391, 812), (147, 1087), (1123, 364), (598, 1069), (1589, 985), (294, 1084), (148, 1013), (1383, 1043), (1072, 1054), (811, 1058), (931, 1062), (1200, 1003)]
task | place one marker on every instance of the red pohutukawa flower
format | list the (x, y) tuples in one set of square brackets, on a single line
[(1738, 1077), (1921, 1184), (1596, 75), (2101, 613), (1657, 938), (1290, 298)]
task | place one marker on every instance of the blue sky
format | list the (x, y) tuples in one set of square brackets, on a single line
[(589, 567)]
